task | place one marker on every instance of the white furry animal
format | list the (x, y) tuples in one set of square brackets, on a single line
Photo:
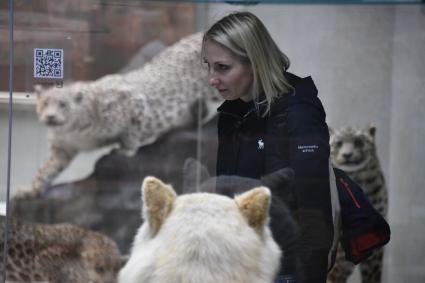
[(131, 109), (202, 237)]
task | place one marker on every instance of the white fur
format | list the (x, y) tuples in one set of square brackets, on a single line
[(204, 239)]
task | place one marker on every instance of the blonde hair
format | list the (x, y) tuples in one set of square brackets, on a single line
[(247, 37)]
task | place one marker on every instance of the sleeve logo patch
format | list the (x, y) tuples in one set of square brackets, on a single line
[(307, 148)]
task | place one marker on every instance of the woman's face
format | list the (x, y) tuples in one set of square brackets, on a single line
[(231, 76)]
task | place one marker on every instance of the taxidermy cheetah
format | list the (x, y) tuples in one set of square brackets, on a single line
[(202, 237), (131, 109), (354, 151), (60, 253)]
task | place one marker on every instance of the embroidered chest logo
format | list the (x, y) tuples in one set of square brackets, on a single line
[(260, 144)]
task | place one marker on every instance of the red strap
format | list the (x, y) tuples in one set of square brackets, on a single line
[(347, 187)]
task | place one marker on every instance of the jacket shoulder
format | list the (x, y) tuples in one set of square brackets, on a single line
[(303, 96)]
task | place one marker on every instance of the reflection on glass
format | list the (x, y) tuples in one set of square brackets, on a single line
[(366, 61)]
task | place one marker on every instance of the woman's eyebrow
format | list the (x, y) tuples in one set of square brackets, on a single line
[(219, 62)]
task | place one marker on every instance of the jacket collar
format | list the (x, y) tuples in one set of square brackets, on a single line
[(304, 90), (237, 108)]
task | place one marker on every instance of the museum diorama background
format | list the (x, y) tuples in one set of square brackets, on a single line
[(367, 62)]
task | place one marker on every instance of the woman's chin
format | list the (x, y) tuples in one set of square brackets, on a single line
[(226, 95)]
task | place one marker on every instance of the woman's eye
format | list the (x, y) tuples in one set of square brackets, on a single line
[(222, 67)]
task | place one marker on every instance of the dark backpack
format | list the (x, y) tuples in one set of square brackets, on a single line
[(364, 229)]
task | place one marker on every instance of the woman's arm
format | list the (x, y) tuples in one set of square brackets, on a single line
[(299, 138)]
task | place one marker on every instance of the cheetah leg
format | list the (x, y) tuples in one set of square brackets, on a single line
[(130, 143), (126, 148), (57, 161), (342, 268), (371, 268)]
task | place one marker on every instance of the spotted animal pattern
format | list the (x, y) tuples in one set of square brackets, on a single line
[(130, 110), (59, 253)]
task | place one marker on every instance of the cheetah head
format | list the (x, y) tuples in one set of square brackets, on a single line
[(352, 149), (57, 107)]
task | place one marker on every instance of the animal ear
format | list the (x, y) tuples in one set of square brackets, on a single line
[(371, 128), (158, 199), (280, 179), (123, 259), (38, 89), (254, 206)]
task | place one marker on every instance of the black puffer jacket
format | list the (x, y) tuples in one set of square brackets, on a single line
[(293, 135)]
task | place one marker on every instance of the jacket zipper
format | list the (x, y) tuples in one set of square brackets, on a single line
[(236, 141)]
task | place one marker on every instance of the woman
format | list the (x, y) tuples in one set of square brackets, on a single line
[(272, 119)]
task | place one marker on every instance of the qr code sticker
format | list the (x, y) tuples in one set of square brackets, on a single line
[(48, 63)]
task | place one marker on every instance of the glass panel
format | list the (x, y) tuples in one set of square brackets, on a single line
[(107, 93)]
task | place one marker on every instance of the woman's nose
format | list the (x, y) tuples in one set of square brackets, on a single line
[(213, 81)]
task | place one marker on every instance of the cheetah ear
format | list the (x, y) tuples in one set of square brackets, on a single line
[(254, 206), (158, 199), (38, 90), (371, 128)]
